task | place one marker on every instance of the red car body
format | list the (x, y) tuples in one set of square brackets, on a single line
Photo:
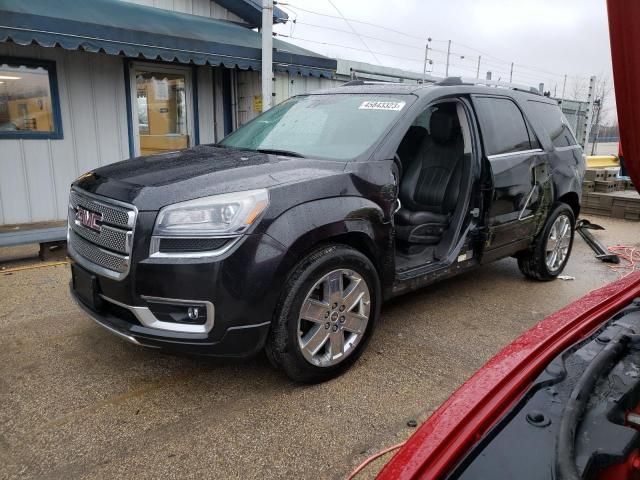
[(442, 441), (451, 432)]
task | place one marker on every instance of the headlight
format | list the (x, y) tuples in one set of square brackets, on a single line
[(226, 214)]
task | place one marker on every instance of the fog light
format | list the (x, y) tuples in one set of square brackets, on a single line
[(167, 311)]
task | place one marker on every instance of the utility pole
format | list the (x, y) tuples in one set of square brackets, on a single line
[(594, 144), (511, 74), (478, 69), (446, 72), (267, 54), (426, 60), (564, 85), (586, 126)]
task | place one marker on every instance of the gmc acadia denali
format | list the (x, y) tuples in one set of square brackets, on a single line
[(289, 233)]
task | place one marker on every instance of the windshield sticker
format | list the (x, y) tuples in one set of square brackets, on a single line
[(377, 105)]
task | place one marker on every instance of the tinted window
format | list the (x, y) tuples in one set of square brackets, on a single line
[(503, 127), (554, 122)]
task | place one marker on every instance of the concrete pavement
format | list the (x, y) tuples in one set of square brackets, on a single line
[(77, 402)]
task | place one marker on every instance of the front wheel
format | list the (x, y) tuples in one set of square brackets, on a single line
[(549, 253), (330, 306)]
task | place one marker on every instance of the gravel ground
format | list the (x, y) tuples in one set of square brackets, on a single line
[(79, 403)]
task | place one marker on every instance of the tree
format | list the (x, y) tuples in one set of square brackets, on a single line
[(578, 89)]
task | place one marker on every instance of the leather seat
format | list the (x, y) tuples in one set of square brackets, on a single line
[(411, 143), (431, 183)]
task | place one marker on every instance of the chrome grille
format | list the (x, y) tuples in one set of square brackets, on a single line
[(108, 251), (111, 214), (99, 256), (109, 237)]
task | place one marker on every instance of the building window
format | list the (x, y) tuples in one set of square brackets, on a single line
[(29, 104), (162, 108)]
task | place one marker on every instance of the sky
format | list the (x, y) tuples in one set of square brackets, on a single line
[(545, 39)]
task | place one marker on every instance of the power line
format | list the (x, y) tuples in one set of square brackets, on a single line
[(292, 6), (353, 30), (345, 46), (485, 54), (497, 61), (402, 44), (500, 61), (361, 35), (535, 77), (413, 60)]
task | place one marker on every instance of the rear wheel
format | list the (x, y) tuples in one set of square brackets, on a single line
[(326, 316), (550, 251)]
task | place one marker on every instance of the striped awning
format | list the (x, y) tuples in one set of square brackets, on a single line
[(117, 27)]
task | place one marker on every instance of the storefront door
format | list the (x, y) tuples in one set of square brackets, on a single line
[(162, 108)]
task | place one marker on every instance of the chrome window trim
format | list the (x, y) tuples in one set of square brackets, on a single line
[(146, 317), (154, 247), (567, 148), (509, 154)]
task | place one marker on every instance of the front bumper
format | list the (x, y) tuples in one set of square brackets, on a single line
[(240, 341), (144, 297)]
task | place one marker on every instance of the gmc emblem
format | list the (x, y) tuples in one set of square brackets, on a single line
[(88, 219)]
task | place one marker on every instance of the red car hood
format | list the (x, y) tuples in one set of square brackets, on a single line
[(440, 443)]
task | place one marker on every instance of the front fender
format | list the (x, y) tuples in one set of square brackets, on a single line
[(304, 226)]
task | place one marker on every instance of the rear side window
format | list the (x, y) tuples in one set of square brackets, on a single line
[(554, 122), (503, 127)]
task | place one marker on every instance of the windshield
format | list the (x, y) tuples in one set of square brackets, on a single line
[(336, 127)]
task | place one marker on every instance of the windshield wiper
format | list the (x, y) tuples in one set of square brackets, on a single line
[(233, 147), (275, 151)]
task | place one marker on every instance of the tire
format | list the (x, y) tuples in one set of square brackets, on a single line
[(314, 284), (538, 262)]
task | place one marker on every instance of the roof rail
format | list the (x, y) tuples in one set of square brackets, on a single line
[(453, 81), (352, 83)]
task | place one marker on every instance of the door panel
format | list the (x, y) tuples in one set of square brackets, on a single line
[(514, 161), (516, 196)]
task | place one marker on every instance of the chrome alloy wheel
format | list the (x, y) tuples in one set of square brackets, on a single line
[(333, 317), (558, 243)]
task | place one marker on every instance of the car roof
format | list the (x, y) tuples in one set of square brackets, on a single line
[(454, 87)]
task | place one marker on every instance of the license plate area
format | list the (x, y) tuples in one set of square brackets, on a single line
[(86, 286)]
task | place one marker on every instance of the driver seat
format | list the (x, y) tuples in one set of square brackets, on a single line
[(431, 183)]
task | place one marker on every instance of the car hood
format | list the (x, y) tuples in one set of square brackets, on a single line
[(158, 180), (466, 418)]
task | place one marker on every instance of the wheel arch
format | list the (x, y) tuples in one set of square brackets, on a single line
[(354, 221), (573, 200)]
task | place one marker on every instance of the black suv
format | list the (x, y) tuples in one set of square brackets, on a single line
[(291, 232)]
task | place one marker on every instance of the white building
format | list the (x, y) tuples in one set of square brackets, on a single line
[(85, 84)]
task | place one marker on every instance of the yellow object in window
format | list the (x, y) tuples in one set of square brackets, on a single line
[(162, 112), (25, 99)]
